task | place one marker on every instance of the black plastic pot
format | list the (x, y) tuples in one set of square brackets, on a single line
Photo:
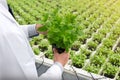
[(60, 50), (43, 48), (109, 75)]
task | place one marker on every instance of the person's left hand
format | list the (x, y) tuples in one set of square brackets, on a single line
[(61, 58), (39, 26)]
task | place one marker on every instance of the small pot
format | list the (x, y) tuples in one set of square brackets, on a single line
[(60, 50)]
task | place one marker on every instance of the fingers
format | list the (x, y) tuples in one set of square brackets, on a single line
[(43, 32), (55, 52), (38, 26)]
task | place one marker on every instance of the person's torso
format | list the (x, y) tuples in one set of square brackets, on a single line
[(16, 55)]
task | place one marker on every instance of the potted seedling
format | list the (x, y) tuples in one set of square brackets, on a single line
[(104, 51), (98, 37), (98, 60), (108, 43), (75, 46), (92, 68), (49, 53), (43, 44), (92, 45), (36, 40), (110, 70), (72, 52), (83, 39), (36, 50), (114, 59), (86, 52), (62, 29), (78, 60)]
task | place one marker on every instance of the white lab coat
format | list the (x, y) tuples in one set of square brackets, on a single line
[(16, 56)]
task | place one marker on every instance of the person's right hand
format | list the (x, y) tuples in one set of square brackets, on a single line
[(61, 58), (40, 26)]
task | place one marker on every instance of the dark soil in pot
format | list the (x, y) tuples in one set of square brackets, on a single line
[(60, 50)]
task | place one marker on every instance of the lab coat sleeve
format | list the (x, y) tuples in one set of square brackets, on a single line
[(29, 30), (4, 3), (53, 73)]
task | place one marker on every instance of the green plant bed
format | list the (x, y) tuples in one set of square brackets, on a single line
[(92, 68), (43, 48), (78, 60), (36, 50), (36, 40), (92, 45), (86, 23), (108, 43), (104, 51), (114, 59), (98, 37), (32, 43), (86, 52), (117, 50), (110, 70), (88, 32), (49, 53), (103, 31), (75, 46), (83, 39), (72, 53), (98, 60), (43, 45), (119, 75), (118, 78)]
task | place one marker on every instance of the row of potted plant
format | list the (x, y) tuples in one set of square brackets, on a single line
[(102, 30), (89, 31), (104, 42)]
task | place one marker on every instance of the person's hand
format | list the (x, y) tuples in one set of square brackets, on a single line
[(61, 58), (39, 26)]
